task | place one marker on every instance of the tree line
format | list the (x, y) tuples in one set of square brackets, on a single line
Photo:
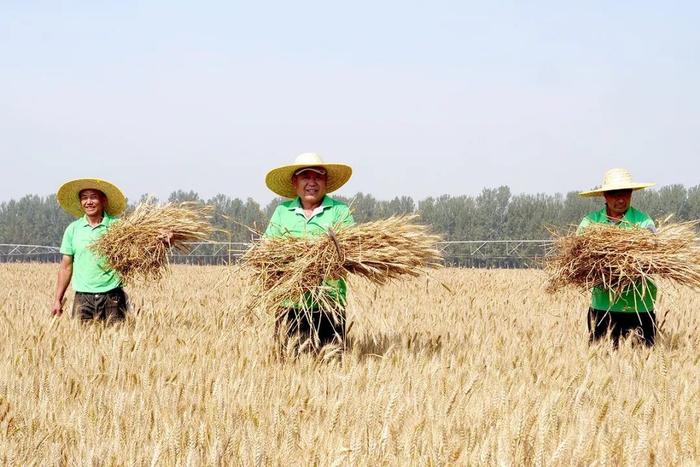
[(493, 214)]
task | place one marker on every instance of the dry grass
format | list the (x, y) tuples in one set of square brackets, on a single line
[(137, 245), (290, 269), (617, 259), (496, 373)]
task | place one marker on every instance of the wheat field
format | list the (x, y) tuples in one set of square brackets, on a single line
[(466, 367)]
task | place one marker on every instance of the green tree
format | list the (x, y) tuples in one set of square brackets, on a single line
[(180, 196), (491, 212)]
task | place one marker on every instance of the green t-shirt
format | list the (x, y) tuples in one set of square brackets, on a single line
[(633, 299), (90, 273), (289, 219)]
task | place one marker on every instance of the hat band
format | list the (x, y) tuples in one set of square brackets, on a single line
[(80, 193), (318, 170)]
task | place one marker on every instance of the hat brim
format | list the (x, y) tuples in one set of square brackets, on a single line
[(68, 195), (279, 180), (627, 186)]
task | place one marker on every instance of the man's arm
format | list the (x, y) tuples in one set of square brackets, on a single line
[(65, 272)]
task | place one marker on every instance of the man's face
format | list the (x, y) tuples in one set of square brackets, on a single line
[(92, 201), (310, 186), (618, 201)]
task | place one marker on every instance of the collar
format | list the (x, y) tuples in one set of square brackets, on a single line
[(623, 219), (326, 202), (105, 220), (296, 206)]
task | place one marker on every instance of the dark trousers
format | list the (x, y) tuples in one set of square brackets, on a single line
[(107, 306), (619, 325), (317, 327)]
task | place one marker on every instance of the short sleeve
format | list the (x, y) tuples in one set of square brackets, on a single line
[(346, 218), (585, 222), (648, 224), (273, 228), (67, 242)]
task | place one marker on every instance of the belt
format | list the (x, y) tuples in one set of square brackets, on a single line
[(116, 289)]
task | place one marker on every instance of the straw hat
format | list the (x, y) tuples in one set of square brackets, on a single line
[(616, 179), (279, 180), (68, 195)]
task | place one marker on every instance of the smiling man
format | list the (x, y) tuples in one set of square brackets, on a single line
[(633, 310), (98, 291), (310, 212)]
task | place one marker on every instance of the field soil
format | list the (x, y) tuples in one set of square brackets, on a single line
[(464, 367)]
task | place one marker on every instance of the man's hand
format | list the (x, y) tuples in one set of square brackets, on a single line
[(166, 235), (57, 308)]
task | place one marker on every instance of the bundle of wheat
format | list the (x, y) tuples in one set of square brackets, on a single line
[(617, 259), (295, 269), (138, 244)]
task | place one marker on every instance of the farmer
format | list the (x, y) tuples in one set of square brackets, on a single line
[(98, 291), (310, 212), (633, 310)]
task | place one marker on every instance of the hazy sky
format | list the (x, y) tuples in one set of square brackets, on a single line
[(421, 98)]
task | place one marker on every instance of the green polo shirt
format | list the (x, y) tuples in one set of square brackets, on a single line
[(632, 300), (289, 219), (90, 274)]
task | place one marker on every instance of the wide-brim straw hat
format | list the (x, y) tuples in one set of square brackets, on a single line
[(616, 179), (68, 195), (279, 180)]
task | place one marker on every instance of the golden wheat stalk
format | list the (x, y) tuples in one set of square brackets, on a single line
[(292, 268), (137, 245), (617, 259)]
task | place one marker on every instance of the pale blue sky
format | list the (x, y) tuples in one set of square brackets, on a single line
[(421, 98)]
